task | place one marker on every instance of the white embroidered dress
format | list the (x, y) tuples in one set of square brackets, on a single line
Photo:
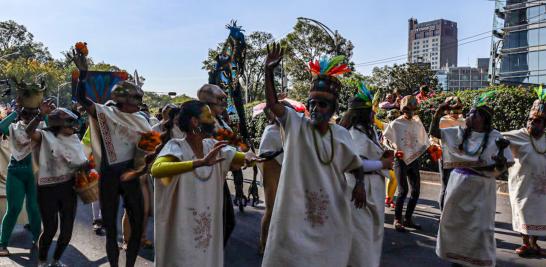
[(188, 211), (368, 222), (311, 223), (408, 136), (466, 233), (527, 183)]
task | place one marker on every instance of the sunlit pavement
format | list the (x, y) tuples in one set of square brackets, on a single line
[(415, 248)]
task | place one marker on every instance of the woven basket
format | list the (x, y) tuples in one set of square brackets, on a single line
[(90, 193), (31, 99)]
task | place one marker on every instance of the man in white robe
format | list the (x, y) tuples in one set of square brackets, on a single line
[(527, 179), (311, 223)]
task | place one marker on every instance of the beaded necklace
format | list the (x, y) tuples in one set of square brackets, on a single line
[(331, 146)]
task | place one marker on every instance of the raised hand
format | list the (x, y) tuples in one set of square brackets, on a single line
[(79, 59), (274, 56), (251, 158), (47, 106), (211, 157)]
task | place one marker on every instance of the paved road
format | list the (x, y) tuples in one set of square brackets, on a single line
[(400, 249)]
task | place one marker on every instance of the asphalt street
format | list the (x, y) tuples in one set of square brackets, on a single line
[(415, 248)]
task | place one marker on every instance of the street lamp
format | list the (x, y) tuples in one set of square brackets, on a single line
[(334, 35), (59, 90)]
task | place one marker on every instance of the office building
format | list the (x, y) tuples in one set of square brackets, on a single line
[(519, 42), (433, 42)]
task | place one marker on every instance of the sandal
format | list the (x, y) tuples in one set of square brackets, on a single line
[(399, 227), (525, 250)]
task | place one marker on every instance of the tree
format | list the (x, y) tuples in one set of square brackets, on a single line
[(405, 77), (17, 42), (305, 43), (349, 88), (157, 101), (253, 75)]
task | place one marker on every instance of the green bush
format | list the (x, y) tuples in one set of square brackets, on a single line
[(255, 125)]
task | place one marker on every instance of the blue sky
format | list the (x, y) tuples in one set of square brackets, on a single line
[(167, 40)]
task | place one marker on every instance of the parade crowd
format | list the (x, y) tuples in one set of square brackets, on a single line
[(326, 183)]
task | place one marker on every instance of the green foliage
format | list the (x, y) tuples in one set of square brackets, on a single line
[(405, 77), (511, 105), (157, 101), (17, 43), (255, 125)]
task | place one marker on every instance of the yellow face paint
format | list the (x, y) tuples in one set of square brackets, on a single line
[(206, 116)]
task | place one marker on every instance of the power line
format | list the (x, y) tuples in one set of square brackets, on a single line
[(404, 56)]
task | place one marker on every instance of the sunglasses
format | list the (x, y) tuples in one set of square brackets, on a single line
[(318, 103)]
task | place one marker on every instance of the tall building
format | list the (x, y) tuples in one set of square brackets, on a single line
[(433, 42), (520, 41)]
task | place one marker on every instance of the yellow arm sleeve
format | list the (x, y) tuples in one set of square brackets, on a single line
[(168, 166), (239, 159)]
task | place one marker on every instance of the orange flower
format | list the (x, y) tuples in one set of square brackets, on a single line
[(399, 154), (149, 141), (81, 47)]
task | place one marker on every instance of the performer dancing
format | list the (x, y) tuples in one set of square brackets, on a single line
[(407, 135), (216, 99), (527, 178), (20, 179), (453, 118), (188, 220), (368, 223), (467, 225), (311, 222), (60, 155), (115, 135)]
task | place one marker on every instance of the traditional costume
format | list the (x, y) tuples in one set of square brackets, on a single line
[(114, 138), (527, 178), (410, 137), (188, 217), (368, 222), (59, 157), (311, 223), (467, 224), (20, 182), (271, 142)]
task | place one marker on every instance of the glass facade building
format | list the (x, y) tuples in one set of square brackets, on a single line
[(522, 51)]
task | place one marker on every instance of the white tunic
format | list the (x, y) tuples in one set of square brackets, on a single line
[(527, 183), (368, 222), (119, 132), (311, 223), (408, 136), (20, 143), (271, 141), (466, 233), (59, 157), (188, 211)]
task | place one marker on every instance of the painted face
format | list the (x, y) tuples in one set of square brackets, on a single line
[(321, 110), (536, 125), (206, 121), (474, 119)]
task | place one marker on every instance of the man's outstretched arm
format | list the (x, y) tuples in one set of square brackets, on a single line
[(274, 57)]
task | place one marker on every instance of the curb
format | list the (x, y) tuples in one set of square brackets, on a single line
[(434, 177)]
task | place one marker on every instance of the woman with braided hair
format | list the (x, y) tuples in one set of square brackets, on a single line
[(478, 155), (189, 200), (368, 223)]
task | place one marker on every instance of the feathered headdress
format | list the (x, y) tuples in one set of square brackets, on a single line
[(483, 101), (324, 73), (364, 98), (539, 106), (329, 66)]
